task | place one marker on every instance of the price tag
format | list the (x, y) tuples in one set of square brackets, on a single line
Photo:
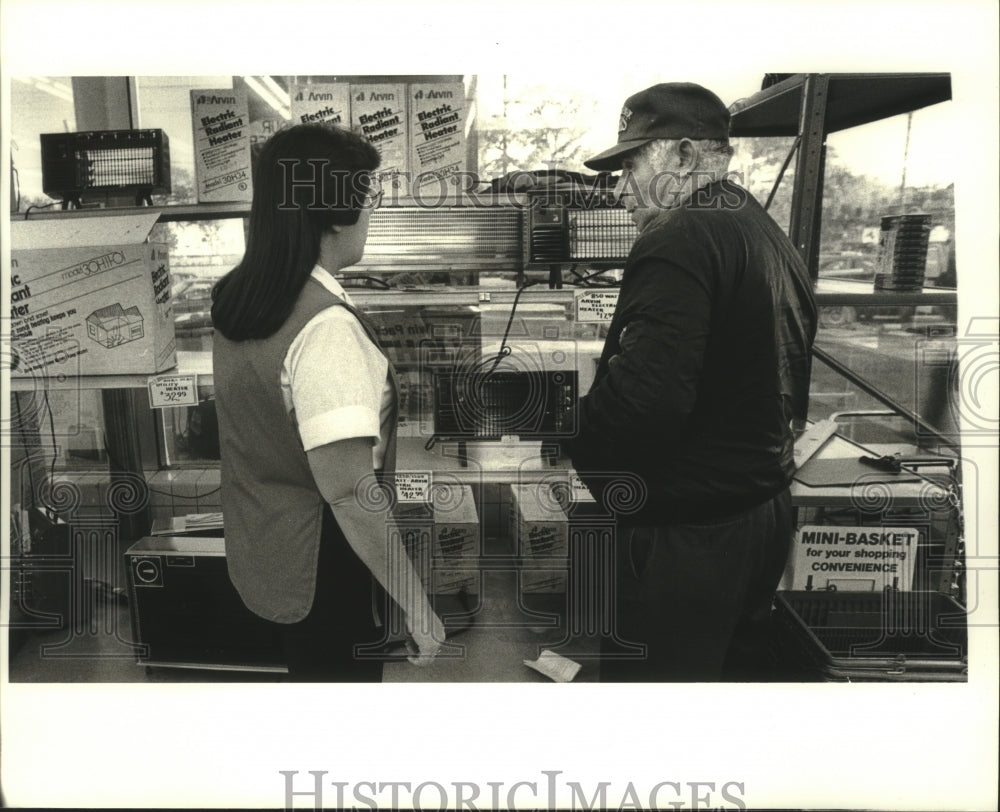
[(577, 488), (413, 486), (173, 390), (596, 305)]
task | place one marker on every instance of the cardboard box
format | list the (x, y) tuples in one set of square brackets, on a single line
[(91, 295), (437, 120), (444, 529), (456, 538), (379, 112), (221, 123), (540, 535), (327, 103)]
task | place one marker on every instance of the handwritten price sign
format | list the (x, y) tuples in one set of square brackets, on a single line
[(173, 390), (596, 306), (413, 486)]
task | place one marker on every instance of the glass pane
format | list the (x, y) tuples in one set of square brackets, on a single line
[(164, 103), (190, 434), (200, 253), (38, 104), (62, 428), (758, 162), (908, 353), (885, 169)]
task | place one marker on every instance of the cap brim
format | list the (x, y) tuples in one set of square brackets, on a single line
[(611, 159)]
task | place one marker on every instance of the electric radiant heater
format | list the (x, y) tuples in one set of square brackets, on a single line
[(109, 162), (489, 405), (576, 224)]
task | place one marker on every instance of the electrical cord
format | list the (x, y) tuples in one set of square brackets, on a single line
[(505, 350), (584, 281), (52, 431), (55, 452), (588, 277), (46, 206), (380, 282), (27, 452), (24, 444), (116, 463), (502, 353), (172, 495)]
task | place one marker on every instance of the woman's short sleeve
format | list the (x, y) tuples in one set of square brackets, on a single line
[(335, 378)]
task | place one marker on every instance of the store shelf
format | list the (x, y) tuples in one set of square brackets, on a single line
[(167, 214), (188, 363), (459, 297), (829, 292), (852, 99), (905, 494), (845, 292), (192, 212)]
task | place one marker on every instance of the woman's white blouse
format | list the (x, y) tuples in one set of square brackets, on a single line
[(335, 381)]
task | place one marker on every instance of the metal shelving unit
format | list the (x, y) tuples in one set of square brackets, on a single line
[(810, 107)]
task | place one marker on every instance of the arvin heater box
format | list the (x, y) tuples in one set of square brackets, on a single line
[(187, 614)]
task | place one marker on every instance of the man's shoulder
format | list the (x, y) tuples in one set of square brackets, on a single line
[(672, 235), (664, 229)]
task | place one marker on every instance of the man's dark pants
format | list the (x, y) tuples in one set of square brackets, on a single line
[(698, 596)]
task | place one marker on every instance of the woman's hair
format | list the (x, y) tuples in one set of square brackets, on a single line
[(306, 179)]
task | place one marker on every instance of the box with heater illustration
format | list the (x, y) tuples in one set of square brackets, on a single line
[(90, 292), (441, 533)]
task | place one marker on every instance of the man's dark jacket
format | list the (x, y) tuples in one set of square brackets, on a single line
[(707, 360)]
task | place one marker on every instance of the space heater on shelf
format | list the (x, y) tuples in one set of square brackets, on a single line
[(491, 405), (576, 225), (537, 405), (105, 163)]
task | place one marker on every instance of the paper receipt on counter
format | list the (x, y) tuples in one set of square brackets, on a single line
[(554, 666)]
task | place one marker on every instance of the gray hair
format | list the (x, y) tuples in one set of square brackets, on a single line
[(715, 153)]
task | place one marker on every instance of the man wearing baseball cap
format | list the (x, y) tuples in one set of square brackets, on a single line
[(705, 366)]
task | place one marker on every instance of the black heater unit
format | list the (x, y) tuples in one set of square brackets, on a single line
[(187, 614), (490, 405), (578, 225), (105, 163), (482, 405)]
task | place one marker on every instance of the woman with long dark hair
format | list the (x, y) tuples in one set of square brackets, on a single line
[(307, 410)]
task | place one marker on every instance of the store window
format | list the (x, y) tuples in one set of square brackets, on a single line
[(887, 175), (762, 166), (887, 169), (521, 125), (38, 104), (164, 102)]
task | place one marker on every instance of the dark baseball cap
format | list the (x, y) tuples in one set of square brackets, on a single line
[(668, 110)]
